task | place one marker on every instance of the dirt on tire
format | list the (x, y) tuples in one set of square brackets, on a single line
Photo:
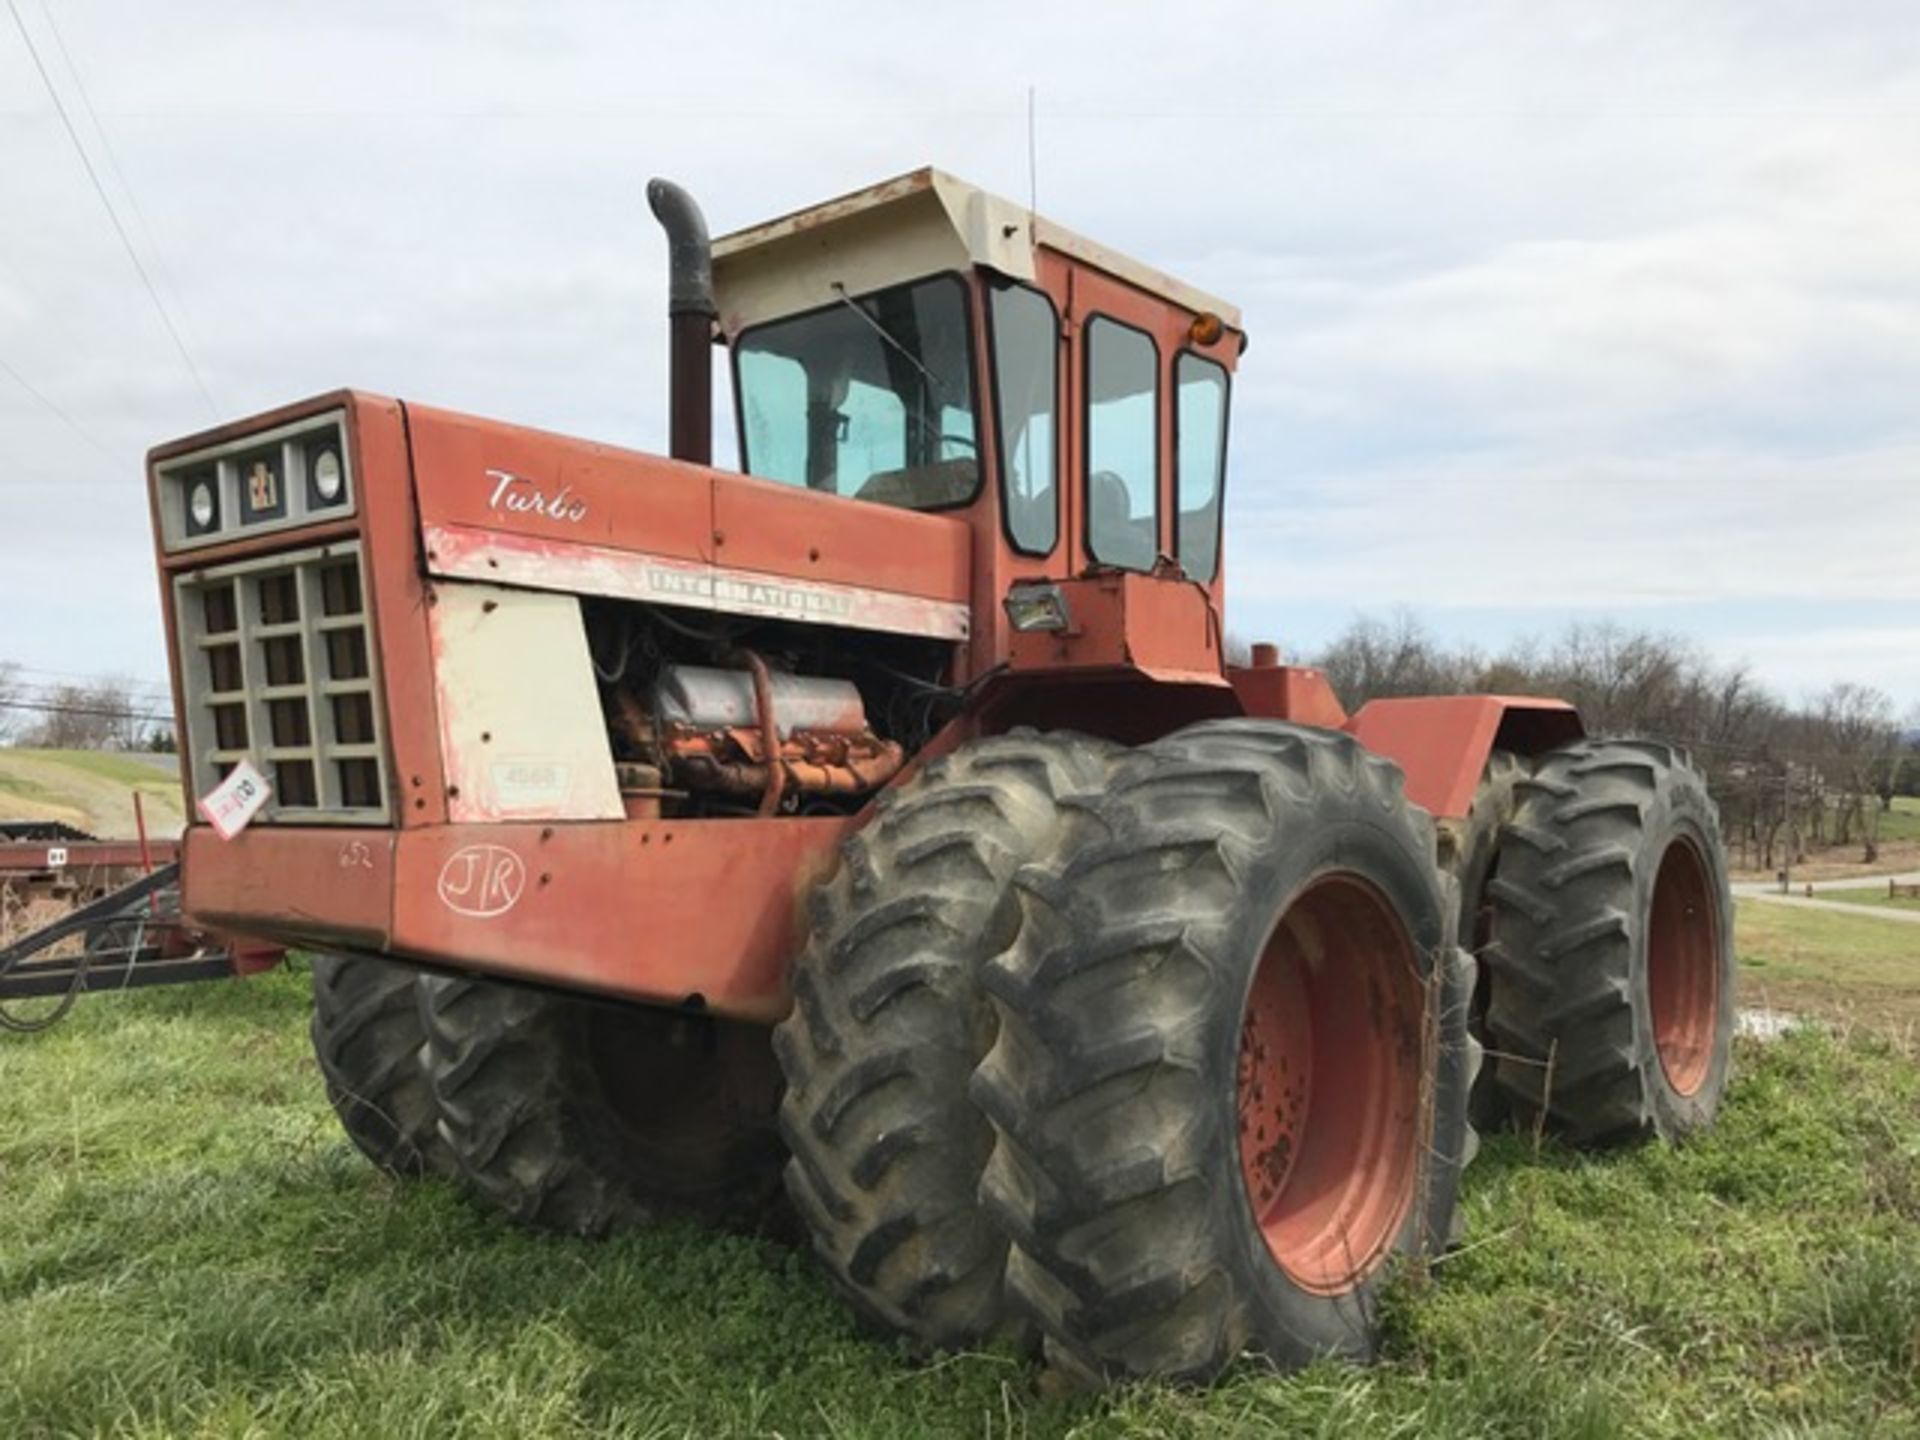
[(1612, 946), (582, 1116), (1116, 1084), (368, 1039), (889, 1022)]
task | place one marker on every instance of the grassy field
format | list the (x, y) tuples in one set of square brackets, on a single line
[(189, 1247), (90, 789), (1903, 823), (1879, 899), (1850, 968)]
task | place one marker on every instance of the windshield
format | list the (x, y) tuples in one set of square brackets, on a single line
[(871, 398)]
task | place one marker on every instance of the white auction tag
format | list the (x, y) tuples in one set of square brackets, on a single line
[(231, 804)]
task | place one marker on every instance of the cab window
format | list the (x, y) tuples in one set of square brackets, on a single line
[(870, 398), (1200, 460), (1123, 444), (1026, 334)]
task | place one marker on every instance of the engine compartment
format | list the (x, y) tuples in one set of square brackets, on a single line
[(714, 715)]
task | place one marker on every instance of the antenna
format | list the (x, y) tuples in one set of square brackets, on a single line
[(1033, 159)]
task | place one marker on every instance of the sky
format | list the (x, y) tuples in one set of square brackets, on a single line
[(1557, 312)]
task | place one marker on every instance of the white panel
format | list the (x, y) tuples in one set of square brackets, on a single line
[(520, 721), (906, 228)]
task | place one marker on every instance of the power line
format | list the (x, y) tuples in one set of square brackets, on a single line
[(55, 410), (63, 697), (108, 712), (106, 200), (94, 676), (113, 163)]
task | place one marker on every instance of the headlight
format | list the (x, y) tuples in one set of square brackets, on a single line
[(1040, 606), (328, 479), (200, 490)]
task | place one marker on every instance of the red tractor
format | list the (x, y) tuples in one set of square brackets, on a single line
[(890, 820)]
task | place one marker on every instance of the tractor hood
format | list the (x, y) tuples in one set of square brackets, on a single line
[(514, 506)]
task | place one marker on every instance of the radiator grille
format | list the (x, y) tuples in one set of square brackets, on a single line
[(277, 670)]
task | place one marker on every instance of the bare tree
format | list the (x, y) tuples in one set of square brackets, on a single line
[(99, 716), (1376, 660), (12, 691), (1786, 779), (1856, 723)]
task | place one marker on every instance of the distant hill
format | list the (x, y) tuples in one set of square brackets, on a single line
[(91, 790)]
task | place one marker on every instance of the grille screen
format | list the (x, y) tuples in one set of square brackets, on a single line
[(276, 665)]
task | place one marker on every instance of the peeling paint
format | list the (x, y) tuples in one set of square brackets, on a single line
[(465, 552)]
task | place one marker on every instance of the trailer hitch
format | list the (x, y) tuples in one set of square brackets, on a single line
[(131, 938)]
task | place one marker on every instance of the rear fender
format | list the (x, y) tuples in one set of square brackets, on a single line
[(1442, 742)]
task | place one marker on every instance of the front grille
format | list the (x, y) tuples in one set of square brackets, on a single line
[(277, 667)]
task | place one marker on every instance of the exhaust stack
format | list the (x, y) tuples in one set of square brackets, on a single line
[(691, 315)]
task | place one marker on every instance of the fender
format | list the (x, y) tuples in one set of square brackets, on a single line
[(1442, 742)]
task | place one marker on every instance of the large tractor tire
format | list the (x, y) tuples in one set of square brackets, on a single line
[(572, 1114), (1231, 1075), (889, 1022), (1612, 946), (1472, 855), (369, 1041)]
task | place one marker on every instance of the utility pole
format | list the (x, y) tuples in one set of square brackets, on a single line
[(1786, 826)]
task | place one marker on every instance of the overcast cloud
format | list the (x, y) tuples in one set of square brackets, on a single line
[(1556, 311)]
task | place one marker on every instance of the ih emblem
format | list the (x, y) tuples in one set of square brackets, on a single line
[(262, 492)]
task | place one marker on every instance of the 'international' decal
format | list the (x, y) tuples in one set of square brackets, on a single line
[(729, 592), (469, 553)]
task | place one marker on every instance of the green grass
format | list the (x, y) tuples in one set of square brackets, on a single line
[(189, 1247), (120, 769), (1853, 967), (1877, 897), (1903, 821), (26, 789), (90, 789)]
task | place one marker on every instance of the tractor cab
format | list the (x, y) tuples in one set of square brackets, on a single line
[(925, 345)]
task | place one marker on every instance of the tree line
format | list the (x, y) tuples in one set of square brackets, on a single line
[(108, 713), (1788, 778)]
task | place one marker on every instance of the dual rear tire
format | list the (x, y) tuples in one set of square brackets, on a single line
[(1231, 1073), (889, 1021), (584, 1116), (558, 1111), (370, 1042), (1610, 947), (1215, 1028)]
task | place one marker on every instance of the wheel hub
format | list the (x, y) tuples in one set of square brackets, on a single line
[(1683, 967), (1332, 1048)]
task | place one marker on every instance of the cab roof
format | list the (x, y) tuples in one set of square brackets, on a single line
[(913, 225)]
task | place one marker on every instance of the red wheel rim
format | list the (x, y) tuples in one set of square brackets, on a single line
[(1683, 967), (1332, 1047)]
